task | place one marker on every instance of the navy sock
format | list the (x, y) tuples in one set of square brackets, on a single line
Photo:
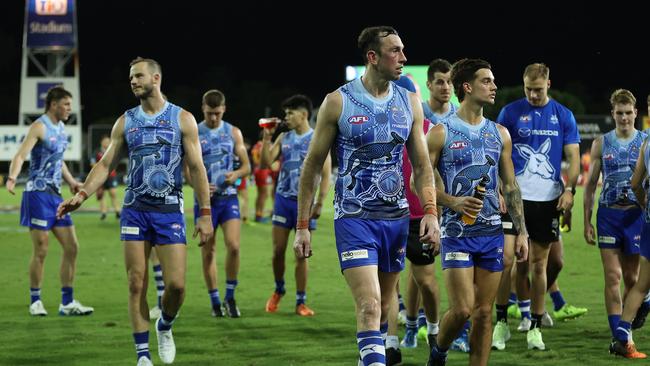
[(66, 295), (214, 297), (383, 329), (558, 300), (160, 284), (513, 299), (230, 289), (502, 313), (279, 287), (623, 331), (35, 294), (142, 344), (422, 319), (536, 321), (613, 320), (301, 296), (166, 321)]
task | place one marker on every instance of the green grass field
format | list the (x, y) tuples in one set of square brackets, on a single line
[(257, 338)]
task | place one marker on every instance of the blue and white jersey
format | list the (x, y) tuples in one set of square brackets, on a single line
[(435, 118), (538, 138), (154, 143), (293, 151), (470, 153), (217, 148), (646, 160), (369, 147), (618, 160), (46, 158)]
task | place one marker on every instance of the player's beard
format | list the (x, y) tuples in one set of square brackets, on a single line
[(147, 90)]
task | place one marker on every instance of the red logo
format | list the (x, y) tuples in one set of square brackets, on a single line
[(609, 156), (458, 145), (133, 129), (357, 120)]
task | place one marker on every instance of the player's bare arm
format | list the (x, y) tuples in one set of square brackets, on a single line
[(590, 189), (35, 133), (639, 176), (323, 188), (512, 195), (194, 162), (240, 150), (99, 173), (416, 146)]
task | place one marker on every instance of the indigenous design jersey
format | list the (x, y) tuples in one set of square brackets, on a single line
[(294, 151), (538, 138), (435, 118), (618, 162), (369, 148), (46, 159), (154, 180), (217, 148), (646, 160), (470, 153)]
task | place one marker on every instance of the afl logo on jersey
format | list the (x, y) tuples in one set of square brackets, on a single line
[(357, 120), (609, 156), (525, 118), (456, 145)]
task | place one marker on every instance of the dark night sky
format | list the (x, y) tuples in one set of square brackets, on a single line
[(260, 54)]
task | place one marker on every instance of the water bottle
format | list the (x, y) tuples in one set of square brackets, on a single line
[(479, 192)]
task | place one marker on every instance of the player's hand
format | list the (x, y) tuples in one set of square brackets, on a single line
[(302, 243), (430, 231), (69, 205), (11, 185), (565, 203), (268, 133), (521, 248), (590, 234), (565, 221), (467, 205), (316, 209), (75, 187), (230, 178), (204, 228), (212, 188)]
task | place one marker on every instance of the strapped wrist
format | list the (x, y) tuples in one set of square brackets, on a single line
[(302, 224), (207, 211), (82, 192)]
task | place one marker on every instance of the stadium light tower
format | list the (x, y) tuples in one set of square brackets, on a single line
[(50, 58)]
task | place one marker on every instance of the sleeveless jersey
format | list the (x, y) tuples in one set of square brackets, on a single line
[(218, 150), (293, 153), (471, 152), (538, 138), (435, 118), (46, 158), (618, 161), (369, 148), (154, 143)]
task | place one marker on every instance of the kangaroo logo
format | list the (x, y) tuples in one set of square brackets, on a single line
[(369, 152), (464, 180), (537, 161)]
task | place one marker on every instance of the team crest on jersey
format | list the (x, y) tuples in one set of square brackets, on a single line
[(456, 145), (554, 119), (525, 118), (357, 120)]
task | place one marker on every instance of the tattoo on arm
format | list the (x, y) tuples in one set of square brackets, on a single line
[(515, 207)]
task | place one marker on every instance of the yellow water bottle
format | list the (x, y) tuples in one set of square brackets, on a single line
[(479, 192)]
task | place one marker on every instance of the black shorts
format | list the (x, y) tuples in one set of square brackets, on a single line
[(414, 251), (542, 221), (508, 226), (111, 182)]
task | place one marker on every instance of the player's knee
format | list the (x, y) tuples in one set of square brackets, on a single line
[(630, 278), (369, 309), (176, 287), (70, 250), (483, 314), (136, 283), (233, 248), (613, 278), (461, 312)]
